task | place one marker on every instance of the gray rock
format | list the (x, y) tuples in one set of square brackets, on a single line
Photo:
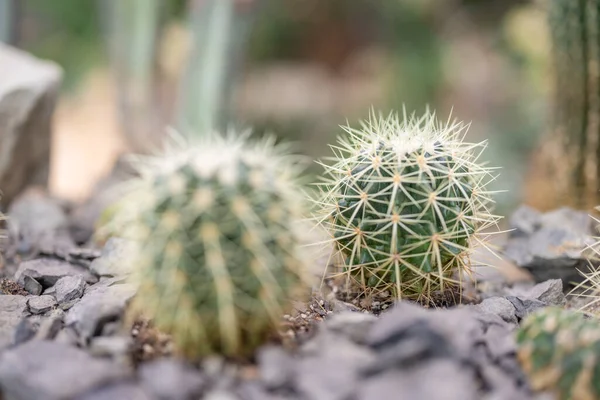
[(549, 292), (119, 391), (28, 93), (97, 307), (171, 379), (525, 221), (41, 304), (53, 371), (525, 306), (452, 382), (319, 374), (32, 286), (25, 331), (39, 224), (276, 367), (110, 346), (48, 271), (500, 307), (68, 290), (220, 395), (50, 325), (354, 325), (12, 309), (500, 342), (251, 390), (551, 247), (112, 261)]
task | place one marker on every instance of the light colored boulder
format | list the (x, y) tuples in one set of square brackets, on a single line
[(28, 94)]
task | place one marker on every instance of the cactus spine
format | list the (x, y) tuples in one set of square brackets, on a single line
[(219, 234), (559, 351), (403, 200)]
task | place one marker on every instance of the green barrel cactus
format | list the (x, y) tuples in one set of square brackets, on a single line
[(404, 202), (220, 242), (559, 351)]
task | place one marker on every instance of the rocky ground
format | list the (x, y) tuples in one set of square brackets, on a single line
[(62, 301)]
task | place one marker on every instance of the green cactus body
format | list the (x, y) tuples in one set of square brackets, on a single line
[(559, 351), (575, 33), (220, 242), (403, 201)]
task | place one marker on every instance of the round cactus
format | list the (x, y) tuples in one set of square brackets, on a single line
[(559, 351), (220, 242), (403, 201)]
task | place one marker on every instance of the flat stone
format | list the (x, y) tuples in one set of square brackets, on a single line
[(353, 325), (452, 382), (525, 306), (48, 271), (110, 346), (112, 261), (48, 370), (38, 224), (499, 306), (276, 367), (68, 290), (525, 221), (118, 391), (28, 95), (41, 304), (171, 379), (549, 292), (12, 309), (32, 286), (97, 307), (551, 246)]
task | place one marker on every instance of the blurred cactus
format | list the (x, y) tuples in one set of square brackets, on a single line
[(404, 201), (219, 233), (573, 160), (132, 29), (559, 351), (7, 20), (219, 29)]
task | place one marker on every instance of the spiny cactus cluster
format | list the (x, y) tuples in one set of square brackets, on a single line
[(404, 200), (220, 242), (559, 351)]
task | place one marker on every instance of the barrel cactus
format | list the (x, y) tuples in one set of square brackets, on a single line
[(404, 202), (559, 350), (219, 242)]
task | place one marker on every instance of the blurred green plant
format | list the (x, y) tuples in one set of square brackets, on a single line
[(218, 31)]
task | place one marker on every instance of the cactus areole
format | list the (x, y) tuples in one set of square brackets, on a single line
[(404, 201), (219, 233)]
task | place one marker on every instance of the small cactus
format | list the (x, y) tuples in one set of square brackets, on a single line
[(403, 202), (220, 242), (559, 351)]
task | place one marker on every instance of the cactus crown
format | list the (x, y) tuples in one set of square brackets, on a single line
[(403, 199), (219, 242), (559, 351)]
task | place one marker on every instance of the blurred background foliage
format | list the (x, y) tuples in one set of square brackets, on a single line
[(302, 67)]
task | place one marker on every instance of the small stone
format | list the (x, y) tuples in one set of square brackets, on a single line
[(47, 271), (32, 286), (525, 221), (96, 308), (549, 292), (169, 379), (25, 331), (41, 304), (47, 370), (68, 290), (110, 346), (276, 367), (12, 310), (353, 325), (500, 307), (119, 391), (452, 382), (111, 262), (525, 306), (50, 325)]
